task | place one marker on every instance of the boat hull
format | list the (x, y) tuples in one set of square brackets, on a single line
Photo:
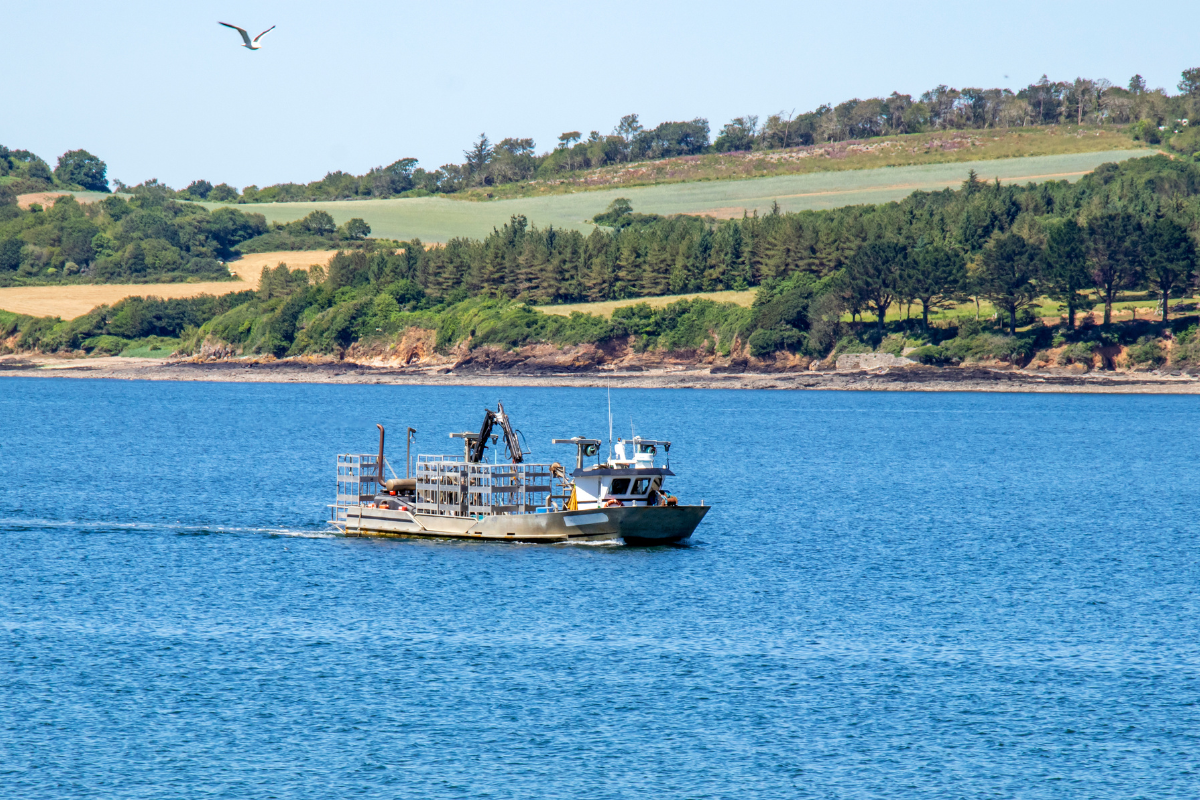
[(634, 525)]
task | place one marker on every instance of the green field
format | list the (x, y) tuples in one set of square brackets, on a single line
[(605, 308), (904, 150), (438, 219), (1044, 307)]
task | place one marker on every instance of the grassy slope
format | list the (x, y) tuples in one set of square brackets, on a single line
[(606, 308), (941, 147), (1044, 307), (438, 219)]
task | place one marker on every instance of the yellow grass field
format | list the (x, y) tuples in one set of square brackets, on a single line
[(71, 301), (606, 308), (42, 198), (46, 199)]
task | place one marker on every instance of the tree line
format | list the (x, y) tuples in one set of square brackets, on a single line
[(1045, 102), (1128, 226), (1125, 226), (118, 240), (22, 172), (148, 237), (1114, 250), (1156, 115)]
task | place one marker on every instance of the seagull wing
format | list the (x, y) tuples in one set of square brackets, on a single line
[(245, 36), (264, 33)]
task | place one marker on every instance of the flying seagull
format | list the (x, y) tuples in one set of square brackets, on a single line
[(253, 45)]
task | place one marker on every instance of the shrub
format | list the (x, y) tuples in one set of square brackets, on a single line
[(1146, 131), (1186, 141), (1187, 348), (152, 347), (1078, 353), (970, 327), (1009, 348), (107, 345), (825, 325), (763, 343), (34, 331), (893, 344), (1147, 352), (930, 354), (985, 346), (849, 344)]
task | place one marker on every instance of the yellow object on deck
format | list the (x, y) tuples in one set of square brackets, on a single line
[(573, 502)]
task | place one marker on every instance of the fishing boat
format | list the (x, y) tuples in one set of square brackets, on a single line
[(463, 497)]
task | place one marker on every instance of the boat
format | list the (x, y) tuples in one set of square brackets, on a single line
[(463, 497)]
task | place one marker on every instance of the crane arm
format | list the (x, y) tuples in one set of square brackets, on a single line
[(510, 436), (490, 420)]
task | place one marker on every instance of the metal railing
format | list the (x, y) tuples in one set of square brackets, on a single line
[(450, 486), (357, 482)]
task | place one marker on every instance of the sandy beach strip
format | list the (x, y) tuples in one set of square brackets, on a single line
[(905, 379)]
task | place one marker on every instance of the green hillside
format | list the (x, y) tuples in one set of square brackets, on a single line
[(905, 150), (439, 219), (828, 282)]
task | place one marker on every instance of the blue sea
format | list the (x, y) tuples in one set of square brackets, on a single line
[(895, 596)]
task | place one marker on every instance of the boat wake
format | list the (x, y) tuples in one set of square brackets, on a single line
[(305, 534), (180, 529)]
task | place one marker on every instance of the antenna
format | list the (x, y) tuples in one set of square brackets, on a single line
[(412, 434), (610, 422)]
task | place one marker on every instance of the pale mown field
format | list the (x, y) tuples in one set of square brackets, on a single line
[(900, 150), (606, 308), (71, 301), (438, 219)]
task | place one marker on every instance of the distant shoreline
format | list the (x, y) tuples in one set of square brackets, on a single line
[(911, 379)]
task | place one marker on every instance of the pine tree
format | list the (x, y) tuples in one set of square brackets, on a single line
[(599, 278), (566, 263), (489, 272), (698, 258), (528, 263), (725, 258), (266, 283), (680, 274), (1065, 269), (456, 258), (754, 239), (595, 268), (781, 252), (433, 271), (656, 278), (629, 263)]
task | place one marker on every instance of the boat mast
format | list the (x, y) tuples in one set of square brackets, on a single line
[(412, 433), (610, 422), (379, 463)]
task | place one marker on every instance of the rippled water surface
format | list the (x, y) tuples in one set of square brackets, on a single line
[(895, 595)]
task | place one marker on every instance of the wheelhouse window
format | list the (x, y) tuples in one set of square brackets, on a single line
[(641, 486), (620, 486)]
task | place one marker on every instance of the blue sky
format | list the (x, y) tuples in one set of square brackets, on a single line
[(160, 90)]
